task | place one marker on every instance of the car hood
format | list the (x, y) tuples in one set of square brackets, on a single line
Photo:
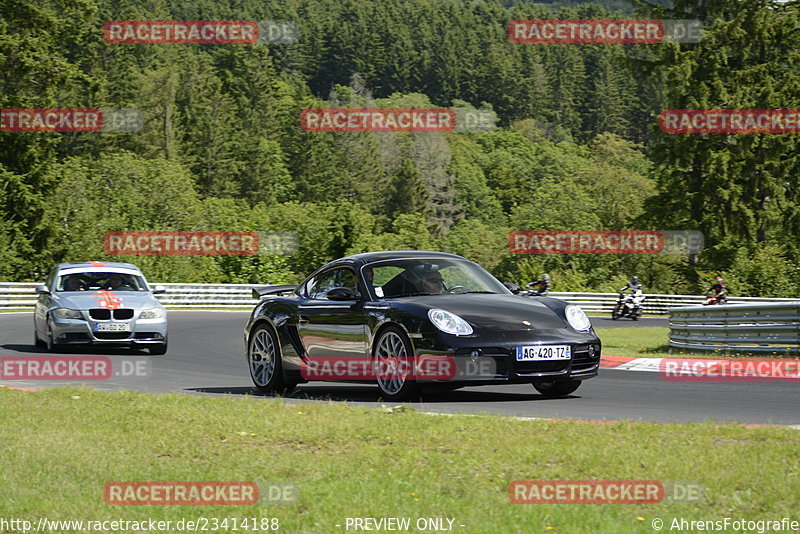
[(85, 300), (494, 311)]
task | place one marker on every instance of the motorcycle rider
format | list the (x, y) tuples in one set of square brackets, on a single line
[(543, 283), (719, 289), (633, 285)]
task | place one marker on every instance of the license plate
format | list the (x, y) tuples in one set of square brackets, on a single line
[(538, 353), (112, 327)]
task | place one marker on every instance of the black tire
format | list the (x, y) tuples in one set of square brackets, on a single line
[(36, 341), (615, 313), (561, 388), (394, 345), (264, 361), (158, 350), (50, 343)]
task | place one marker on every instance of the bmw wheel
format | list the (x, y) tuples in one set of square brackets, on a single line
[(36, 341), (158, 350), (561, 388), (264, 361), (50, 343), (393, 358)]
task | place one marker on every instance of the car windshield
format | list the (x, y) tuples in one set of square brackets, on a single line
[(98, 281), (422, 276)]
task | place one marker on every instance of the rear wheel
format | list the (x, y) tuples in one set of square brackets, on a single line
[(264, 361), (616, 312), (561, 388), (394, 361)]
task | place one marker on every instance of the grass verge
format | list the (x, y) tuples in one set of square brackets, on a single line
[(652, 342), (61, 446)]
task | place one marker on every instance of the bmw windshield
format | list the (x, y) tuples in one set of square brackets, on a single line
[(100, 281)]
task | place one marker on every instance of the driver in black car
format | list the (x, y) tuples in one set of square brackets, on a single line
[(432, 282)]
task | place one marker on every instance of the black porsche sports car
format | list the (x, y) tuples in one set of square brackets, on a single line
[(406, 318)]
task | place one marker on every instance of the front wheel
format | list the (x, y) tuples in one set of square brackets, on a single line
[(158, 350), (561, 388), (36, 341), (393, 358), (50, 343), (264, 362)]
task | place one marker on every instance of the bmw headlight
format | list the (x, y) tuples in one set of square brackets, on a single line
[(577, 318), (66, 313), (152, 313), (449, 323)]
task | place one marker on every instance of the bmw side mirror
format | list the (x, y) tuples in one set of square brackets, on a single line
[(159, 289), (341, 293), (514, 288), (42, 290)]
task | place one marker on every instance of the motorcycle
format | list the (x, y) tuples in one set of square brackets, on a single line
[(535, 291), (715, 299), (629, 305)]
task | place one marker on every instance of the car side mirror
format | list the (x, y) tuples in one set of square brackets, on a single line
[(42, 290), (341, 293), (514, 288), (159, 289)]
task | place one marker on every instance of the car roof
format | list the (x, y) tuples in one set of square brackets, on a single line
[(371, 257), (97, 266)]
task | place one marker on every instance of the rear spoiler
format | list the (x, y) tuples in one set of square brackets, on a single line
[(259, 292)]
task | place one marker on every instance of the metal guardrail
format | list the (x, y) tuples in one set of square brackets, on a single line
[(772, 328), (21, 296)]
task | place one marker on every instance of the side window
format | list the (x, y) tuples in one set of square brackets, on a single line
[(318, 287)]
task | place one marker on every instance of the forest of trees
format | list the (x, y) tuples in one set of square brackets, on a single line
[(576, 146)]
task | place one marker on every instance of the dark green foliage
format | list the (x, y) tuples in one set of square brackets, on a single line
[(576, 147)]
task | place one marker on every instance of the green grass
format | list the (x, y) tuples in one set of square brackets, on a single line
[(644, 342), (61, 446)]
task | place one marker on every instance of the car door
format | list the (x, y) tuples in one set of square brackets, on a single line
[(332, 329)]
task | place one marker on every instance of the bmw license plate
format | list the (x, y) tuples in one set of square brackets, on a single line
[(538, 353), (112, 327)]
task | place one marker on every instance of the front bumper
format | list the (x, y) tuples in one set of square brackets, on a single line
[(483, 362), (143, 332)]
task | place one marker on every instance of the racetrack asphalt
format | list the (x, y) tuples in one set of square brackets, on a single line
[(206, 356)]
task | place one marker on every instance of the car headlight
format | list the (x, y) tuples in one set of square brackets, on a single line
[(449, 323), (577, 318), (152, 313), (66, 313)]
